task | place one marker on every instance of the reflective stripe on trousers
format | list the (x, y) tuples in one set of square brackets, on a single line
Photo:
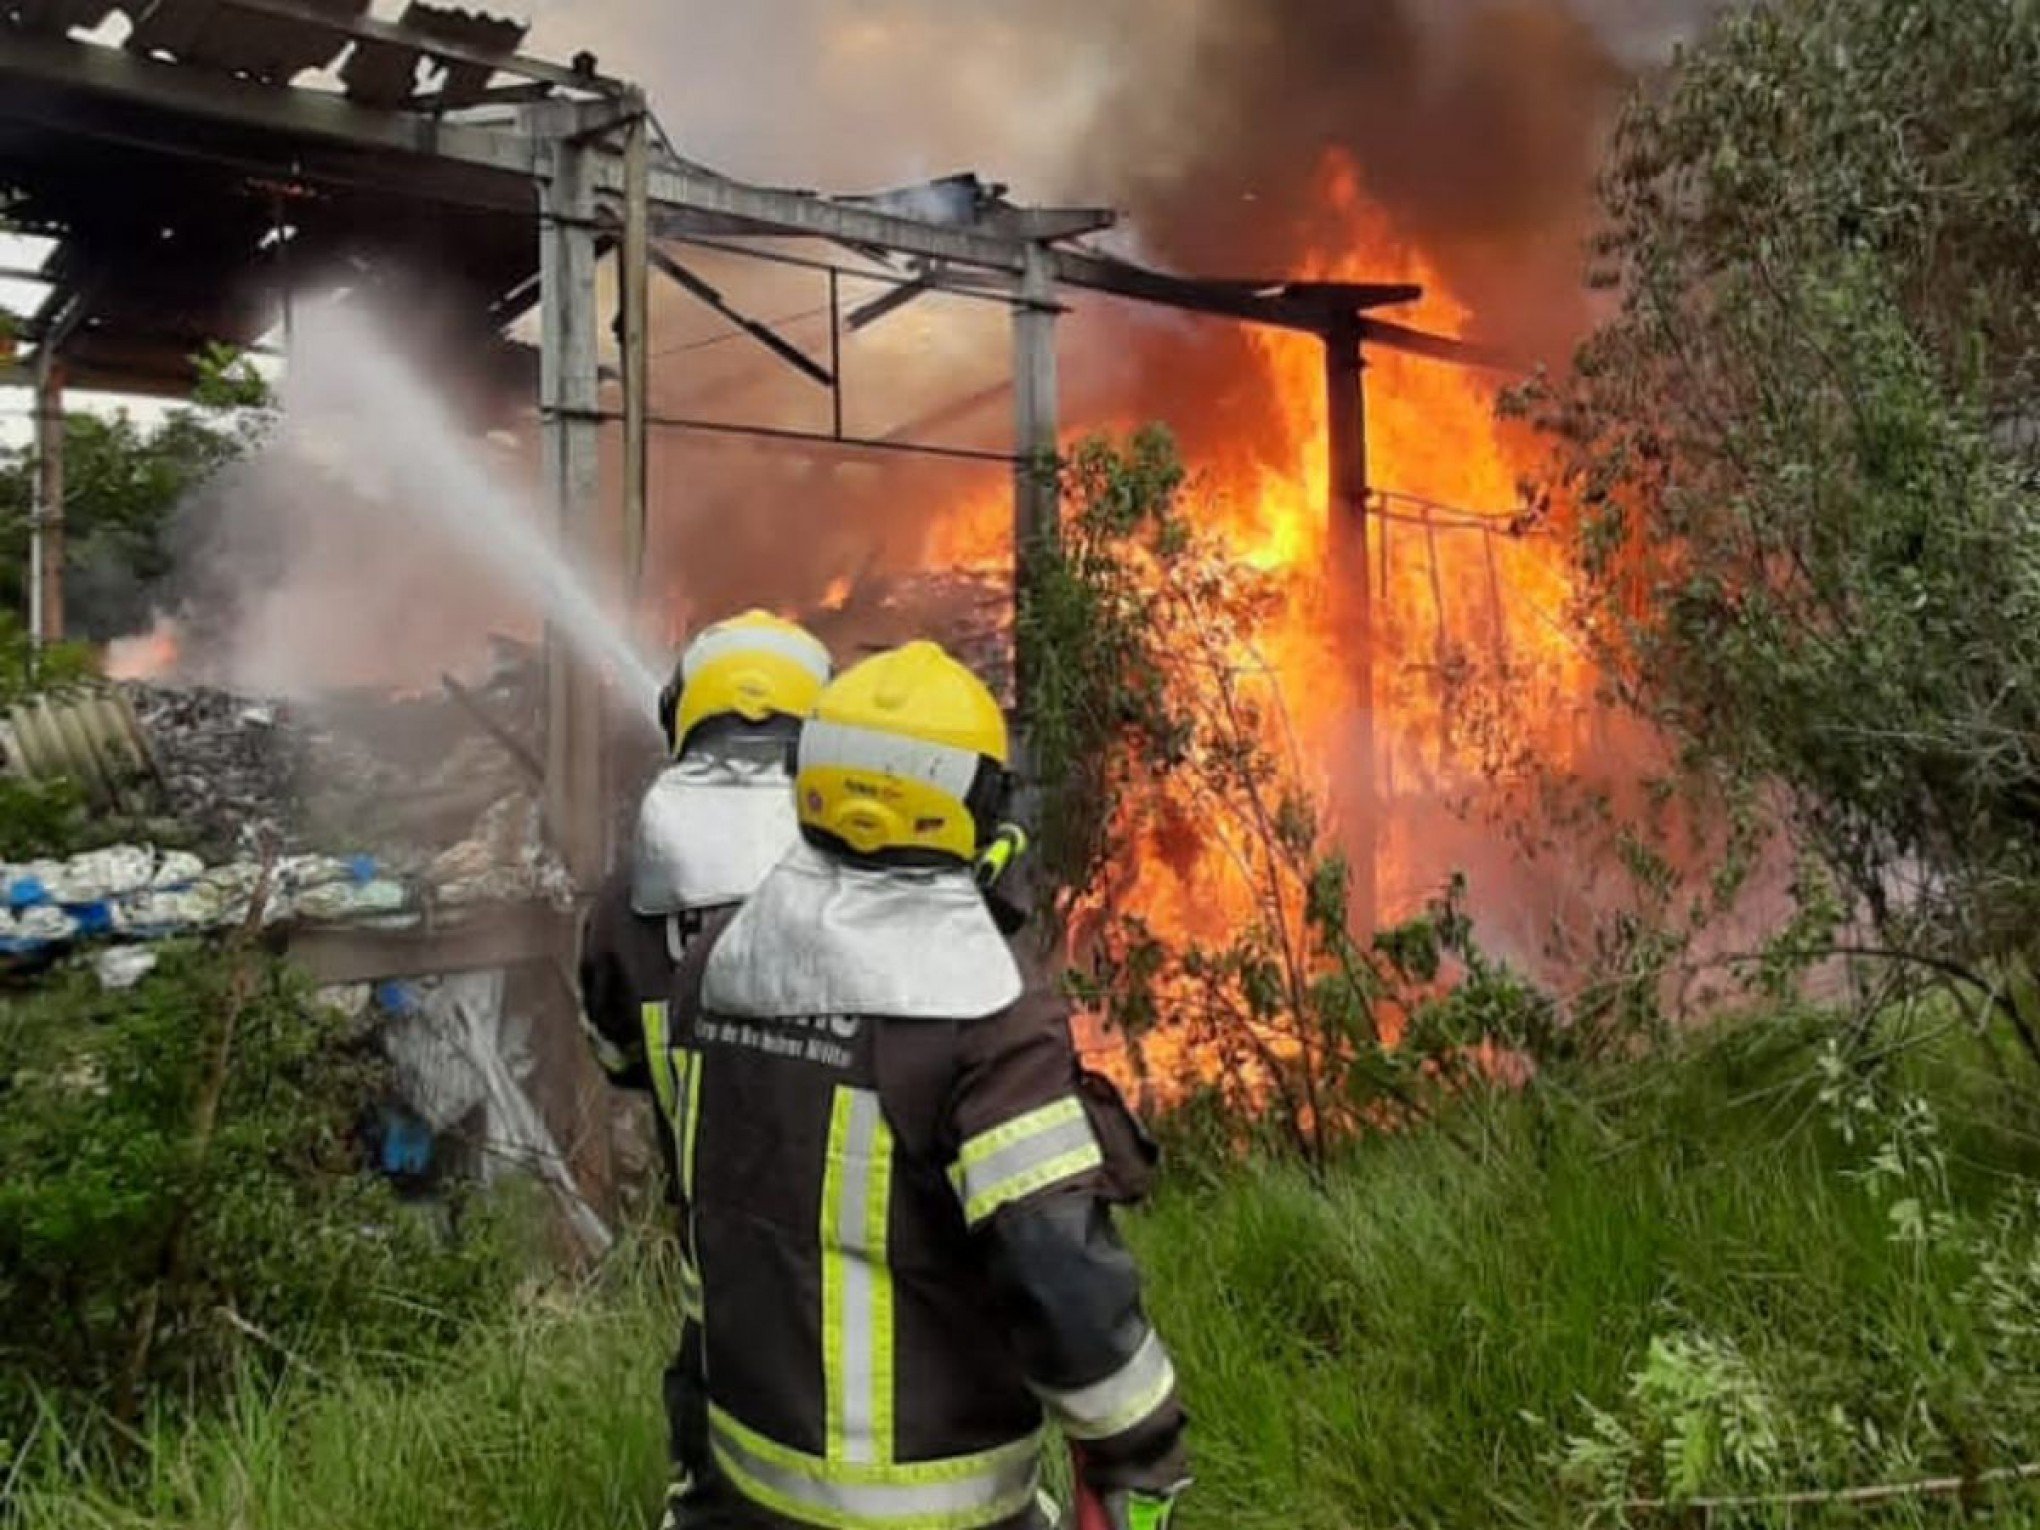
[(857, 1290), (1029, 1153), (957, 1493), (676, 1081)]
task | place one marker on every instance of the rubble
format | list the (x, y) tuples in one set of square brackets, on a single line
[(375, 809), (230, 771), (969, 612)]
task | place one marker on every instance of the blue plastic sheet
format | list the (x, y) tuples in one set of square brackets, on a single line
[(26, 892)]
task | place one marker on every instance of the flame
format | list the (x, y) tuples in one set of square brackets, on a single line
[(837, 596), (150, 655), (1461, 586)]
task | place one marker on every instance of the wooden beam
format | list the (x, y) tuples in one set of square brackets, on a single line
[(506, 935)]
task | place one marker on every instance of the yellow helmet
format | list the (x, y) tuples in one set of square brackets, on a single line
[(904, 758), (752, 666)]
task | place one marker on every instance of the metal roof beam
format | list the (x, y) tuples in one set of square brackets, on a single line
[(29, 64), (687, 192), (763, 333), (1289, 305), (1463, 353), (28, 61), (887, 302)]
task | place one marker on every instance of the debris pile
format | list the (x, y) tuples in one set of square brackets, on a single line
[(132, 893), (229, 766), (968, 612), (395, 811)]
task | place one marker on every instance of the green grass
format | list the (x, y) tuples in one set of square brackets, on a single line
[(548, 1421), (1410, 1344)]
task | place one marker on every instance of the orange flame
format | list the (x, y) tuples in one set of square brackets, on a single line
[(147, 655), (1463, 587)]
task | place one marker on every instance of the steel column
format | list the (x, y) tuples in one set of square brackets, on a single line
[(570, 412), (1346, 410)]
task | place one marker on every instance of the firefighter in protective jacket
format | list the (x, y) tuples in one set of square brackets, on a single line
[(713, 822), (896, 1181)]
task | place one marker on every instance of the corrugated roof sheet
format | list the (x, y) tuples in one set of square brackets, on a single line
[(225, 39)]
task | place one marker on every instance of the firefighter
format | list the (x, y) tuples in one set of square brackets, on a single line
[(711, 825), (895, 1178)]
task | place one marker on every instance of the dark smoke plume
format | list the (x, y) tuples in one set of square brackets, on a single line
[(1476, 123)]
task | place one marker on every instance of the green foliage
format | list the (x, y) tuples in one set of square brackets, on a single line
[(1698, 1418), (1095, 684), (26, 671), (1800, 459), (39, 817), (123, 481), (1662, 1279), (178, 1172), (1159, 735)]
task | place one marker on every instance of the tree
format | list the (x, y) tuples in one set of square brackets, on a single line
[(1170, 778), (1798, 462), (123, 481)]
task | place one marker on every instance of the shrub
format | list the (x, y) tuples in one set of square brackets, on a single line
[(181, 1192), (1797, 463), (1160, 737)]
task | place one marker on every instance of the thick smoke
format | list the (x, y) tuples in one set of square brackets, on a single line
[(1474, 125), (1474, 122)]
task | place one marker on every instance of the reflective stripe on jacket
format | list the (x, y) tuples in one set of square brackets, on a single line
[(904, 1257)]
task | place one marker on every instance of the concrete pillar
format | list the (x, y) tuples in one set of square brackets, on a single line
[(569, 411), (46, 505), (1035, 406), (1036, 423), (634, 267), (1353, 595)]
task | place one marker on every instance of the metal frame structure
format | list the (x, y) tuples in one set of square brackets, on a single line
[(514, 137)]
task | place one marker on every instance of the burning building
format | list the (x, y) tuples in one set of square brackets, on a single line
[(1376, 182)]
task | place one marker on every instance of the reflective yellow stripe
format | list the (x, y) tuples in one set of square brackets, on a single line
[(611, 1058), (692, 1129), (832, 1272), (1020, 1157), (652, 1016), (1055, 1113), (857, 1293), (690, 1289), (877, 1211), (1115, 1403), (956, 1493)]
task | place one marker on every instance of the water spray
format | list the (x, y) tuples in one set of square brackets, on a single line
[(355, 405)]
